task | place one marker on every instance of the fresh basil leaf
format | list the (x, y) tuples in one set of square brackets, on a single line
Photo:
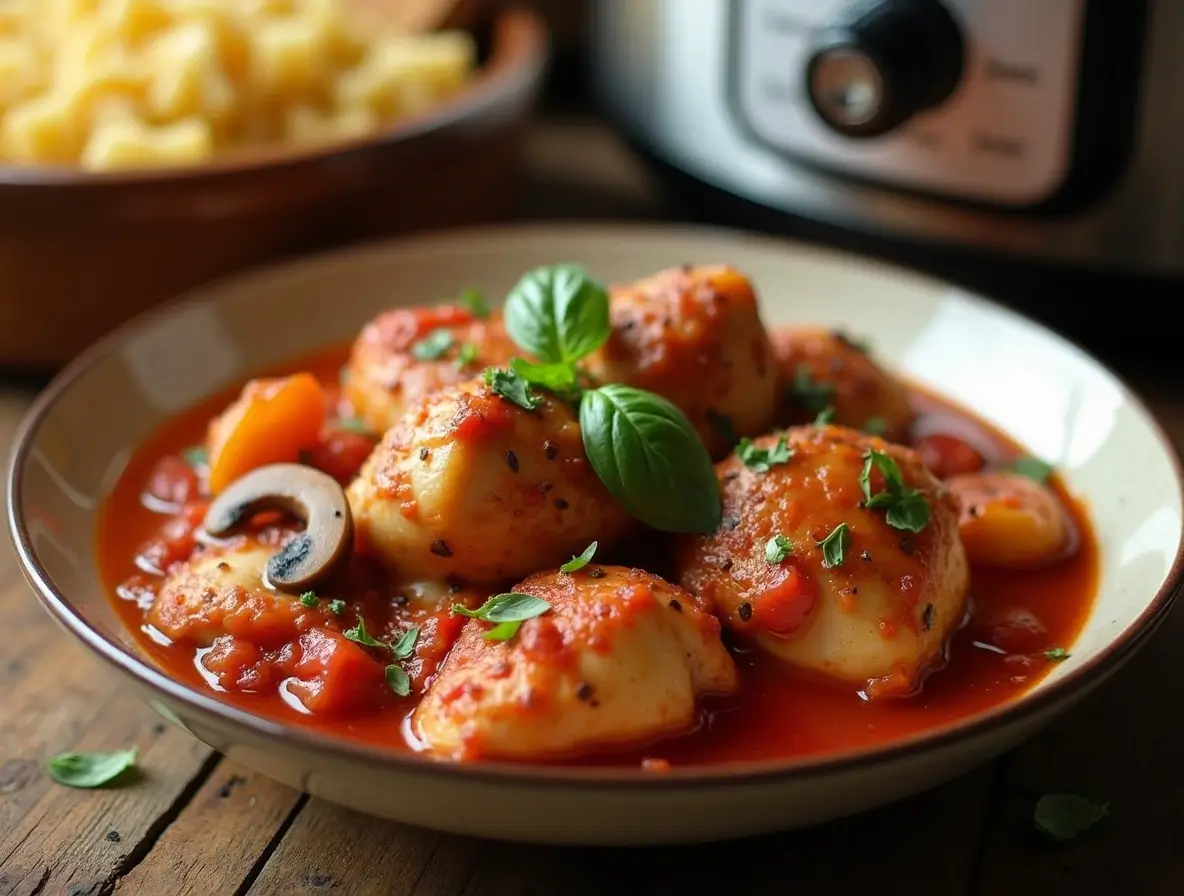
[(825, 416), (337, 607), (558, 378), (910, 512), (1064, 816), (577, 563), (511, 387), (359, 635), (875, 426), (466, 356), (508, 607), (503, 631), (558, 314), (777, 549), (1056, 654), (432, 346), (88, 770), (761, 460), (475, 303), (397, 680), (650, 458), (405, 645), (196, 456), (811, 394), (309, 599), (1033, 468), (834, 546)]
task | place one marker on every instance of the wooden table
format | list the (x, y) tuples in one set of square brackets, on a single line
[(199, 824)]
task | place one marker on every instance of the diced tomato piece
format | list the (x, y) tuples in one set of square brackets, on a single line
[(948, 456), (173, 481), (783, 607), (341, 453), (176, 541), (335, 675)]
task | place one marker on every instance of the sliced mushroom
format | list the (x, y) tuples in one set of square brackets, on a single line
[(314, 498)]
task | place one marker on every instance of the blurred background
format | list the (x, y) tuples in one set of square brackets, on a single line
[(1026, 151)]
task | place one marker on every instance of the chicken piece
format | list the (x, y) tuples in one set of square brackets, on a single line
[(471, 486), (221, 591), (1010, 520), (824, 368), (832, 587), (619, 658), (384, 377), (694, 336)]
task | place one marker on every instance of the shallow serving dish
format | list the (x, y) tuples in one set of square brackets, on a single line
[(1062, 405), (82, 252)]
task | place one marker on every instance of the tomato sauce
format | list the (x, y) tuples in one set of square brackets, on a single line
[(1020, 623)]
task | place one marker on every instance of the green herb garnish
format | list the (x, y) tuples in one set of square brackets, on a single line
[(558, 314), (1056, 654), (337, 607), (433, 346), (1063, 816), (577, 563), (397, 680), (906, 508), (507, 612), (511, 387), (834, 545), (309, 599), (875, 426), (196, 456), (722, 425), (761, 460), (1032, 467), (777, 549), (475, 303), (811, 394), (561, 379), (351, 424), (89, 770), (825, 416), (466, 356), (359, 635)]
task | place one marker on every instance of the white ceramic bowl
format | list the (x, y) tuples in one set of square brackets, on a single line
[(1060, 403)]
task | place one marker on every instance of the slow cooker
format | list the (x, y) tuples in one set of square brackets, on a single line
[(1045, 131)]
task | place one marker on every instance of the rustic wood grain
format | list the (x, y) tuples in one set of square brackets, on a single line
[(218, 838)]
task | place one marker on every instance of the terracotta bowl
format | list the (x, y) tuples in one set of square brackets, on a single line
[(1059, 402), (81, 252)]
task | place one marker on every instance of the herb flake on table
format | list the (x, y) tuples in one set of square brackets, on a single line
[(90, 770), (1065, 816)]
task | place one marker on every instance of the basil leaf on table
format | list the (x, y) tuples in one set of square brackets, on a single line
[(650, 458), (89, 770), (558, 314)]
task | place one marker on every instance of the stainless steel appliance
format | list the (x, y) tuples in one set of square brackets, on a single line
[(1047, 130)]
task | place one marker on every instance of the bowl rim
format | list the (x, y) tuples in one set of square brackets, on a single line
[(1028, 705), (520, 52)]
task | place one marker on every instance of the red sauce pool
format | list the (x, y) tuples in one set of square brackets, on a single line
[(994, 659)]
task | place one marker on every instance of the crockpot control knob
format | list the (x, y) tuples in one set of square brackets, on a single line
[(883, 62)]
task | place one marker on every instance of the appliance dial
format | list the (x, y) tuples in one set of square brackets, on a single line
[(882, 63)]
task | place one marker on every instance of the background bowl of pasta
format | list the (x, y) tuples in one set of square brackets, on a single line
[(147, 146)]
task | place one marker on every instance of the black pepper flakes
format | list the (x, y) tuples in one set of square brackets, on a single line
[(974, 511), (454, 588), (440, 548), (744, 611), (113, 836), (729, 523), (865, 557), (424, 453), (401, 600), (223, 565), (512, 461), (561, 504), (927, 617), (545, 487), (597, 573), (550, 450), (726, 565), (675, 605), (584, 691)]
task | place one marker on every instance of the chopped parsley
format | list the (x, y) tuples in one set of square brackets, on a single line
[(1056, 654), (475, 302), (196, 456), (337, 607), (834, 546), (466, 356), (512, 387), (309, 599), (761, 460), (777, 549), (905, 508), (811, 394), (433, 346), (359, 635), (825, 416)]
